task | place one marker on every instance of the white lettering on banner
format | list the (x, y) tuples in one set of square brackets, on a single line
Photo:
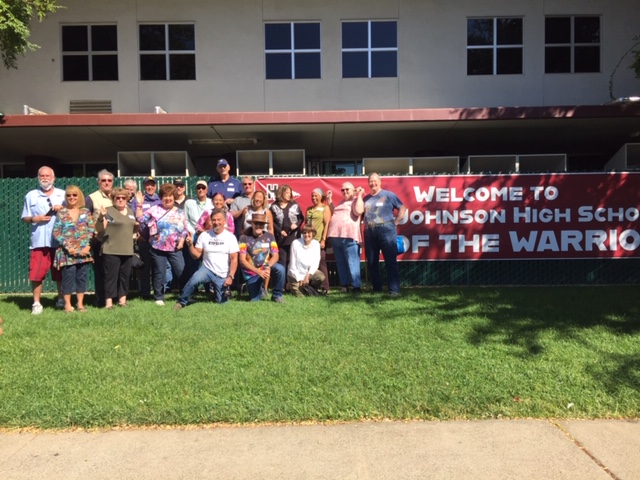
[(488, 243), (587, 213), (575, 240), (457, 217), (550, 193), (483, 194), (545, 215), (418, 241)]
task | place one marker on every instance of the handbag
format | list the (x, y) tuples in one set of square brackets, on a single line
[(136, 260), (400, 245)]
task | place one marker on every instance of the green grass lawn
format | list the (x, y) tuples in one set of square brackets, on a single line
[(433, 353)]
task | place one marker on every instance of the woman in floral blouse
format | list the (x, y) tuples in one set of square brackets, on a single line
[(167, 227), (73, 229)]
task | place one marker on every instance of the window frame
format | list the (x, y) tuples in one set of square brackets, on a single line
[(167, 52), (572, 44), (292, 51), (370, 50), (494, 48), (89, 53)]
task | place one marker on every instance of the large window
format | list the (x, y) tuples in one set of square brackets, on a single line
[(494, 46), (167, 52), (292, 50), (572, 44), (89, 52), (369, 49)]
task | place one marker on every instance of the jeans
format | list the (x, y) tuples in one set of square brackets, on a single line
[(203, 275), (347, 253), (74, 278), (160, 259), (382, 238), (276, 282)]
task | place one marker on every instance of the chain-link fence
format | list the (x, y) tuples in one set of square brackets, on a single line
[(14, 254)]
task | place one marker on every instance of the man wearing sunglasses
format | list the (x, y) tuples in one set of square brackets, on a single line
[(193, 209), (96, 202), (40, 207), (241, 202)]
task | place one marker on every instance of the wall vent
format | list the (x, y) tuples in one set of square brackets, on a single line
[(90, 106)]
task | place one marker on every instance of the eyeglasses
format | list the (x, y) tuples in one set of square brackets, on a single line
[(72, 194), (121, 198), (247, 184), (345, 190), (106, 180), (200, 187)]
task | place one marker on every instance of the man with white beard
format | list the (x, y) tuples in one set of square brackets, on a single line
[(40, 207)]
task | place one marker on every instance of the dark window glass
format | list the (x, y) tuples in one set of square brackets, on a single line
[(182, 67), (509, 61), (277, 36), (384, 64), (152, 37), (355, 65), (557, 59), (480, 62), (587, 29), (105, 67), (74, 39), (306, 36), (75, 68), (307, 65), (480, 31), (355, 35), (181, 37), (104, 38), (587, 59), (557, 30), (278, 66), (153, 67), (509, 31), (384, 35)]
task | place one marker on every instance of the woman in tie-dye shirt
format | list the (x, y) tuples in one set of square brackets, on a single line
[(167, 226)]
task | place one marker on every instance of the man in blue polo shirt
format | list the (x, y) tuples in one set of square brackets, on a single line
[(40, 207), (224, 184)]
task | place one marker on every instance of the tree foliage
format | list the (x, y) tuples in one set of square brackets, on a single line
[(635, 64), (15, 26)]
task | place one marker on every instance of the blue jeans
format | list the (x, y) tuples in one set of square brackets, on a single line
[(347, 253), (74, 278), (160, 259), (276, 282), (203, 275), (382, 238)]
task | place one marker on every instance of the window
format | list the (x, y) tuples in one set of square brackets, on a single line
[(494, 46), (89, 53), (167, 52), (369, 49), (292, 50), (572, 44)]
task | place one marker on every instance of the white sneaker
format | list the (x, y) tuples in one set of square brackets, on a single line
[(36, 309), (160, 303)]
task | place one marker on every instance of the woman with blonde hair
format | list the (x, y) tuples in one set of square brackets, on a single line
[(73, 230), (258, 205)]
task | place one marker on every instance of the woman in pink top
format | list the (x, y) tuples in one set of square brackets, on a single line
[(345, 237), (204, 223)]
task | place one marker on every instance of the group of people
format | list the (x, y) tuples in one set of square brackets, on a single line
[(225, 237)]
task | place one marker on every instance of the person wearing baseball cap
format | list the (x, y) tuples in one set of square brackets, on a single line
[(224, 183), (193, 209), (258, 259), (181, 195)]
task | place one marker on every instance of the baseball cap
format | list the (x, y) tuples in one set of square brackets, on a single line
[(149, 180), (222, 161), (201, 182), (178, 182)]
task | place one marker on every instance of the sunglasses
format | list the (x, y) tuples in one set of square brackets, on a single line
[(247, 184), (345, 190), (106, 180), (121, 198), (201, 188), (72, 194)]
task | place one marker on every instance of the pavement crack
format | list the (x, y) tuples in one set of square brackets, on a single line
[(579, 444)]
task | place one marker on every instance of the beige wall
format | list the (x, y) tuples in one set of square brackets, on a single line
[(230, 57)]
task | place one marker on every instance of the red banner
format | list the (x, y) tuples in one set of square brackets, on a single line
[(523, 216)]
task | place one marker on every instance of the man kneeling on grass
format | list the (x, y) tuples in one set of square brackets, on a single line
[(219, 251)]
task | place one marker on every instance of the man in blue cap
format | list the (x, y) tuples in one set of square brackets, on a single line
[(225, 184)]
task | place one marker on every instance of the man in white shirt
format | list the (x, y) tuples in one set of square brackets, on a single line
[(40, 207), (218, 249)]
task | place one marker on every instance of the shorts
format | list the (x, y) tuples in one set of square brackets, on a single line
[(41, 262)]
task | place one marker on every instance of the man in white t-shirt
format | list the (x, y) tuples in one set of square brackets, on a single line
[(218, 249)]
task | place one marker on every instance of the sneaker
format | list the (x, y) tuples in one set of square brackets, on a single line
[(36, 308), (394, 294), (178, 306), (160, 303), (356, 290), (263, 293), (277, 299), (60, 303), (344, 290)]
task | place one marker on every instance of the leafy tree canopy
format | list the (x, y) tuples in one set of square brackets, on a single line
[(15, 21)]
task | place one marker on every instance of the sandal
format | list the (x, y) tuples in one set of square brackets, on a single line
[(69, 311), (82, 309), (123, 304)]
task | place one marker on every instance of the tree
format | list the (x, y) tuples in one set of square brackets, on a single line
[(635, 64), (15, 26)]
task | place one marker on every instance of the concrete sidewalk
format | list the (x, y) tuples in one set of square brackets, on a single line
[(492, 449)]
